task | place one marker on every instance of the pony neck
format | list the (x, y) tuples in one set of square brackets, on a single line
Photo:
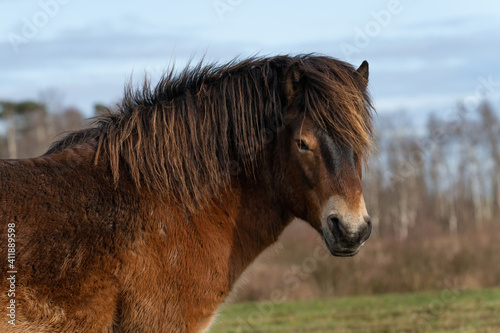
[(241, 222), (258, 222)]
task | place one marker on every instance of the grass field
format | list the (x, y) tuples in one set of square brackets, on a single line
[(440, 311)]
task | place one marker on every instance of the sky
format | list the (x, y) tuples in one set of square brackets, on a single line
[(425, 56)]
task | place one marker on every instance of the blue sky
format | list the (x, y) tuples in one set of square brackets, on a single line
[(424, 55)]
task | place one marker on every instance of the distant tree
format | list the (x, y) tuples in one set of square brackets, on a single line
[(15, 115), (491, 126), (31, 128)]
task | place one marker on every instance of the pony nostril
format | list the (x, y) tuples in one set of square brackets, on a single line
[(368, 220), (336, 226), (367, 229)]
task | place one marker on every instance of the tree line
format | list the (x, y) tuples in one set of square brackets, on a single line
[(441, 177)]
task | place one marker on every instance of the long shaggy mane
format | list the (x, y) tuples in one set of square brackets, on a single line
[(189, 133)]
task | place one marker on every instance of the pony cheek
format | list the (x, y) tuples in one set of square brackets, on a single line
[(312, 211), (307, 174), (304, 205)]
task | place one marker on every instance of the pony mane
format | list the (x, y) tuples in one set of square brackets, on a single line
[(195, 129)]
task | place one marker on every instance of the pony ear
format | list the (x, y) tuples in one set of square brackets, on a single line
[(362, 71), (292, 82)]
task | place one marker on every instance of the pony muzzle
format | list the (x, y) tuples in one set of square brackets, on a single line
[(345, 236)]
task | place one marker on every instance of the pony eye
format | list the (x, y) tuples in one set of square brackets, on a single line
[(302, 145)]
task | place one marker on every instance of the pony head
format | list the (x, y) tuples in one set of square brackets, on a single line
[(322, 150)]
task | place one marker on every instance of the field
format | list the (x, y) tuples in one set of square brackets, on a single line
[(448, 310)]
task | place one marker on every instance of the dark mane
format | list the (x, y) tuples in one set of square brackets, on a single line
[(194, 127)]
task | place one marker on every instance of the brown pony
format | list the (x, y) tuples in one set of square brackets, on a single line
[(144, 222)]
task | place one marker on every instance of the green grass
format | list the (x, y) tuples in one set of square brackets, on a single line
[(438, 311)]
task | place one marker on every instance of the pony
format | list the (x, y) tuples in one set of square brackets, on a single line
[(144, 221)]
